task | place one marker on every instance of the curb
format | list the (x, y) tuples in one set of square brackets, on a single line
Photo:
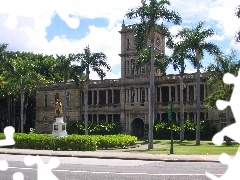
[(112, 157)]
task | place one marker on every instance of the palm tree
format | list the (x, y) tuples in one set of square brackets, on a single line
[(194, 40), (149, 15), (68, 70), (215, 71), (97, 62), (178, 60)]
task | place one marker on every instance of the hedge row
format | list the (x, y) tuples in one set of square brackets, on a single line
[(71, 142), (162, 130)]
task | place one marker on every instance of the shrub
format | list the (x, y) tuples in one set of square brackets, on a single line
[(162, 130), (71, 142)]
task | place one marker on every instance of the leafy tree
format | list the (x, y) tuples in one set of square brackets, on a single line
[(149, 15), (97, 62), (45, 65), (20, 77), (215, 71), (194, 40)]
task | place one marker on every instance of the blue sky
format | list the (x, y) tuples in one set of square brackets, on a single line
[(67, 26)]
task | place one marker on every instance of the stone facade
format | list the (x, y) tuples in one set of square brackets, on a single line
[(125, 100)]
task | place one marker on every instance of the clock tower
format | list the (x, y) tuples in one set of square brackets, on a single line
[(129, 53)]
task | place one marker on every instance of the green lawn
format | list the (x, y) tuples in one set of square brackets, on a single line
[(185, 147)]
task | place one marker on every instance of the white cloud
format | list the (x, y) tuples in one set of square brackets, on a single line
[(189, 71), (23, 24)]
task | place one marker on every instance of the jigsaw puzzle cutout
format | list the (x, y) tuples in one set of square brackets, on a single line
[(231, 131), (44, 170)]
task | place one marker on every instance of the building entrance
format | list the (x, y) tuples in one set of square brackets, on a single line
[(137, 128)]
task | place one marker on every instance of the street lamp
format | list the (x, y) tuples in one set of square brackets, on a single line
[(171, 123)]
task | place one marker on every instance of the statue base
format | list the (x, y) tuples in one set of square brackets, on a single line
[(59, 128)]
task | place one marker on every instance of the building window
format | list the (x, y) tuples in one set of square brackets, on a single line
[(132, 95), (45, 100), (143, 70), (125, 72), (68, 118), (133, 66), (56, 96), (68, 99), (142, 95), (45, 122)]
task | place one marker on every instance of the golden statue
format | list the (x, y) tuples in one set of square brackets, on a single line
[(58, 108)]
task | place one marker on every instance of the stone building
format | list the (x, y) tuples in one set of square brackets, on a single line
[(125, 100)]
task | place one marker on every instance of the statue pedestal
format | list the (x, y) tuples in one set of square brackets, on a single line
[(59, 128)]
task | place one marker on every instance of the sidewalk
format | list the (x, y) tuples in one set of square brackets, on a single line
[(114, 155)]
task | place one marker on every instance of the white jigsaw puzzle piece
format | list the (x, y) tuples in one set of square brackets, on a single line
[(44, 170), (8, 132), (231, 131)]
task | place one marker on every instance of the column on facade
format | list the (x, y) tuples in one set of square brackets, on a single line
[(92, 118), (126, 95), (188, 116), (194, 87), (194, 115), (130, 66), (106, 118), (107, 96), (126, 121), (97, 97), (204, 91), (169, 94), (205, 116), (160, 116), (112, 96), (187, 92), (160, 94), (176, 94), (130, 95), (139, 93), (97, 118), (176, 116), (92, 97), (129, 122), (146, 94), (135, 95), (126, 68)]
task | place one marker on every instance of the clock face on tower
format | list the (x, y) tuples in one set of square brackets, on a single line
[(158, 41)]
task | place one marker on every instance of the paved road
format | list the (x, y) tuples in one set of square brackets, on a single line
[(72, 168)]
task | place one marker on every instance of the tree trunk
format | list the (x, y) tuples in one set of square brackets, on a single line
[(14, 114), (22, 109), (9, 109), (86, 102), (181, 109), (151, 93), (228, 140), (198, 97)]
